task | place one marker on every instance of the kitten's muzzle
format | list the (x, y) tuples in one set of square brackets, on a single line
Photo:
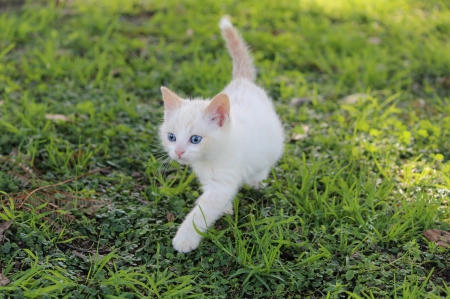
[(179, 153)]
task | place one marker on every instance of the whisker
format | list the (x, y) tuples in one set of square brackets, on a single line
[(160, 156), (162, 166), (157, 159), (158, 151), (167, 165)]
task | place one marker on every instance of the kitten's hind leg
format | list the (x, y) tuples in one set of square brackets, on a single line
[(256, 181), (229, 208)]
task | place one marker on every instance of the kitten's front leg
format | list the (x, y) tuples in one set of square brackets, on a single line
[(212, 204)]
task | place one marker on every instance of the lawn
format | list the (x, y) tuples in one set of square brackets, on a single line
[(89, 206)]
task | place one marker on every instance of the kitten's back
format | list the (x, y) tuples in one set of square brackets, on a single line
[(256, 124)]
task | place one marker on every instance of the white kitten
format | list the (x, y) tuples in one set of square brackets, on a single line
[(231, 140)]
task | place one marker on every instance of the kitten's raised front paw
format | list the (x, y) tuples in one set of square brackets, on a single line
[(186, 241)]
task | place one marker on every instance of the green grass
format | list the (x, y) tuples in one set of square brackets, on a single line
[(344, 210)]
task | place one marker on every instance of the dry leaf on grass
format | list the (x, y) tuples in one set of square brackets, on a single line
[(93, 257), (144, 202), (92, 210), (374, 40), (115, 73), (170, 217), (441, 237), (80, 255), (297, 102), (190, 32), (1, 102), (3, 280), (136, 174), (60, 117), (353, 98), (4, 227), (300, 136), (445, 81)]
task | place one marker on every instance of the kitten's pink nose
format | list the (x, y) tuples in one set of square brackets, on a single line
[(179, 153)]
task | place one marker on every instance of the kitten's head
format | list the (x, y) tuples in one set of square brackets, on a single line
[(194, 130)]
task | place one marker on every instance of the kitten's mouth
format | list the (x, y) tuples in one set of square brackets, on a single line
[(182, 160)]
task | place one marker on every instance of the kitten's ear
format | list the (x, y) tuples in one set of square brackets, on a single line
[(171, 100), (219, 109)]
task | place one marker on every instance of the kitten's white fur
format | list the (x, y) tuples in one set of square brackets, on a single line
[(242, 138)]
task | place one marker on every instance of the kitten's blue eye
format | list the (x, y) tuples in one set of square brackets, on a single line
[(195, 139), (171, 137)]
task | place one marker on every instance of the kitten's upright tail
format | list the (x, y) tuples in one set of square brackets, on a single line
[(242, 61)]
